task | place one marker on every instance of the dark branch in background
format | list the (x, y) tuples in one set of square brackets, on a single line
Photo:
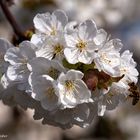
[(17, 30)]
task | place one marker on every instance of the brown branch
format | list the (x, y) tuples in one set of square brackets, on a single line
[(12, 21)]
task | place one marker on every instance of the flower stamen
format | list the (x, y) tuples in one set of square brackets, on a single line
[(58, 49), (105, 59), (81, 45), (53, 73), (53, 32), (50, 92), (69, 85)]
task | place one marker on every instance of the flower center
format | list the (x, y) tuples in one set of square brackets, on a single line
[(58, 49), (53, 73), (50, 92), (81, 45), (69, 85), (123, 70), (53, 32), (105, 58)]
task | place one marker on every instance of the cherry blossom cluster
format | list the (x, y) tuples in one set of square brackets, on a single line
[(68, 72)]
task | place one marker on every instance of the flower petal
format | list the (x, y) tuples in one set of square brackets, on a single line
[(41, 23), (60, 17), (71, 55)]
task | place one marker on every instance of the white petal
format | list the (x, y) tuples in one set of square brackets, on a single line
[(101, 108), (113, 45), (81, 112), (74, 75), (100, 37), (42, 66), (39, 65), (37, 40), (41, 23), (50, 103), (71, 40), (39, 86), (26, 49), (5, 82), (85, 57), (87, 30), (71, 55), (17, 73), (4, 45), (69, 28), (13, 56), (62, 78), (81, 90), (61, 17), (18, 55)]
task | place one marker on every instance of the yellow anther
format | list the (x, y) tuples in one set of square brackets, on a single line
[(69, 85), (58, 49), (50, 92), (81, 45), (105, 58), (53, 32)]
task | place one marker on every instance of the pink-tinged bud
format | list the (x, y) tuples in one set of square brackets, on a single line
[(91, 79)]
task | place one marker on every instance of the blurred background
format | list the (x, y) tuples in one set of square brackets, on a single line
[(121, 19)]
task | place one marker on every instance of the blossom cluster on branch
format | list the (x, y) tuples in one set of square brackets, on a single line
[(68, 72)]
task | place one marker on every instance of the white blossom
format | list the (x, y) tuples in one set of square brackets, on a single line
[(50, 25), (107, 58), (80, 45), (111, 98), (128, 68), (44, 90), (72, 89), (18, 57), (52, 48), (43, 66), (49, 37)]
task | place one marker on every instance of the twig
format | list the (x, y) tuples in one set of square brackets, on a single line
[(12, 21)]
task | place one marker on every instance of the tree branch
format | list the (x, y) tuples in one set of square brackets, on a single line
[(12, 21)]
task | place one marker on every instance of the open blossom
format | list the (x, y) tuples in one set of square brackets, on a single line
[(72, 89), (80, 45), (43, 90), (49, 35), (50, 25), (109, 100), (118, 92), (43, 66), (53, 48), (128, 67), (18, 57), (107, 58), (42, 81)]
